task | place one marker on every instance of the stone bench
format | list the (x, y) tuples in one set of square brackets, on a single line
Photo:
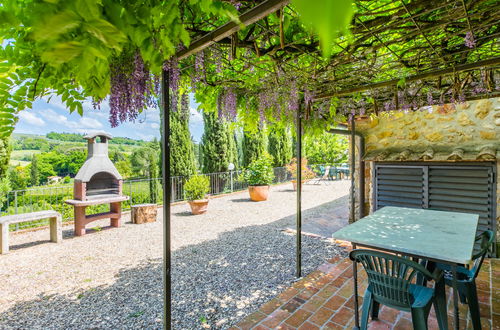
[(55, 226)]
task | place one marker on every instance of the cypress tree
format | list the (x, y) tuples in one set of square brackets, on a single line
[(182, 161), (280, 146), (216, 147), (35, 176), (233, 148), (254, 145)]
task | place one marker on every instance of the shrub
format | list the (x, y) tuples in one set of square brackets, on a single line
[(307, 173), (260, 172), (197, 187)]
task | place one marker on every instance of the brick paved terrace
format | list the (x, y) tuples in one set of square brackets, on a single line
[(324, 300)]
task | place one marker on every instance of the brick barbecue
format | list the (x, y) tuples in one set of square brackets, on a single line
[(97, 182)]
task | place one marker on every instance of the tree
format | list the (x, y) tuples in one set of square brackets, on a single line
[(139, 160), (4, 156), (182, 159), (215, 144), (233, 148), (280, 145), (18, 178), (4, 190), (123, 167), (153, 175), (254, 145), (34, 175), (326, 148)]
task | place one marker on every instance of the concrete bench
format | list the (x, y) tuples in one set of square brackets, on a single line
[(55, 226)]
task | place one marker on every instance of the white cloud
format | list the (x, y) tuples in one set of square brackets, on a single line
[(31, 118), (53, 116), (86, 122), (155, 126)]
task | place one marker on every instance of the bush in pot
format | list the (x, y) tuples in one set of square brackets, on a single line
[(259, 175), (307, 173), (195, 191)]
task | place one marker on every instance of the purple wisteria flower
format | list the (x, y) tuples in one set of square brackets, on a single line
[(130, 88), (469, 40)]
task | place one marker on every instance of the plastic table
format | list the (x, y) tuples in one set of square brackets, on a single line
[(444, 237)]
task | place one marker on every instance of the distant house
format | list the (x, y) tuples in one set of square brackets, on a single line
[(54, 179)]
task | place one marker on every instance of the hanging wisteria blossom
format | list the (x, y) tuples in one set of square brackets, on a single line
[(172, 66), (230, 104), (469, 40), (131, 86)]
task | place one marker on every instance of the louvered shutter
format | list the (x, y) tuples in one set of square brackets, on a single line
[(464, 189), (403, 186), (458, 188)]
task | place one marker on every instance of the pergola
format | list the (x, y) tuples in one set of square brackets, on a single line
[(401, 55)]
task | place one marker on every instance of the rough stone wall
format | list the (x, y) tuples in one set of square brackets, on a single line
[(472, 127)]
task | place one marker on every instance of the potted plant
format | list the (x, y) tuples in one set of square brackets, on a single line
[(307, 173), (259, 175), (195, 191)]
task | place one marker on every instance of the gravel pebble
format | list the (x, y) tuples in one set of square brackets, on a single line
[(225, 264)]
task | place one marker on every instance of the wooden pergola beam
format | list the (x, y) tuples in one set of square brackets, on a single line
[(435, 73), (251, 16)]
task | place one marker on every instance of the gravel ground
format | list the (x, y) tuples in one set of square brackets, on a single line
[(226, 263)]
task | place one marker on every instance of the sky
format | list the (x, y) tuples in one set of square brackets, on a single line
[(52, 116)]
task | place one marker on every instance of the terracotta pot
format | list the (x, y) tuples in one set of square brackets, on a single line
[(199, 206), (294, 182), (258, 193)]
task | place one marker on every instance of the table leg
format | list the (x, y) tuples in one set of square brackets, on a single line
[(455, 296), (356, 303)]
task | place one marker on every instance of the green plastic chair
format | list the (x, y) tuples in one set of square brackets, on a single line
[(391, 282), (466, 277)]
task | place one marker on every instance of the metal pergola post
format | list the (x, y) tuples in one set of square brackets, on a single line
[(167, 279), (298, 272)]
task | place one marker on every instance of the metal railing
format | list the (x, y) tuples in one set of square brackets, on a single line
[(139, 190)]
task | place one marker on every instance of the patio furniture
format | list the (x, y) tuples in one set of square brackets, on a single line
[(53, 216), (467, 277), (439, 236), (390, 283)]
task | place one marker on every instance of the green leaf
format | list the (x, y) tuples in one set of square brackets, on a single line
[(63, 52), (106, 32), (53, 26), (328, 18)]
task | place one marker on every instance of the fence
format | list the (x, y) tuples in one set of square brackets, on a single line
[(140, 191)]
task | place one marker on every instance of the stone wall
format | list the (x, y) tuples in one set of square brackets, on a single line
[(449, 133)]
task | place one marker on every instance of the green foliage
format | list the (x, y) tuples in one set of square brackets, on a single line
[(141, 158), (280, 145), (254, 146), (182, 160), (34, 175), (326, 148), (197, 187), (217, 150), (328, 18), (124, 168), (74, 137), (18, 178), (4, 189), (153, 174), (260, 171), (5, 150)]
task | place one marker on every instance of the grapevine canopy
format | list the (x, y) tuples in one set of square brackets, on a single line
[(394, 55)]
